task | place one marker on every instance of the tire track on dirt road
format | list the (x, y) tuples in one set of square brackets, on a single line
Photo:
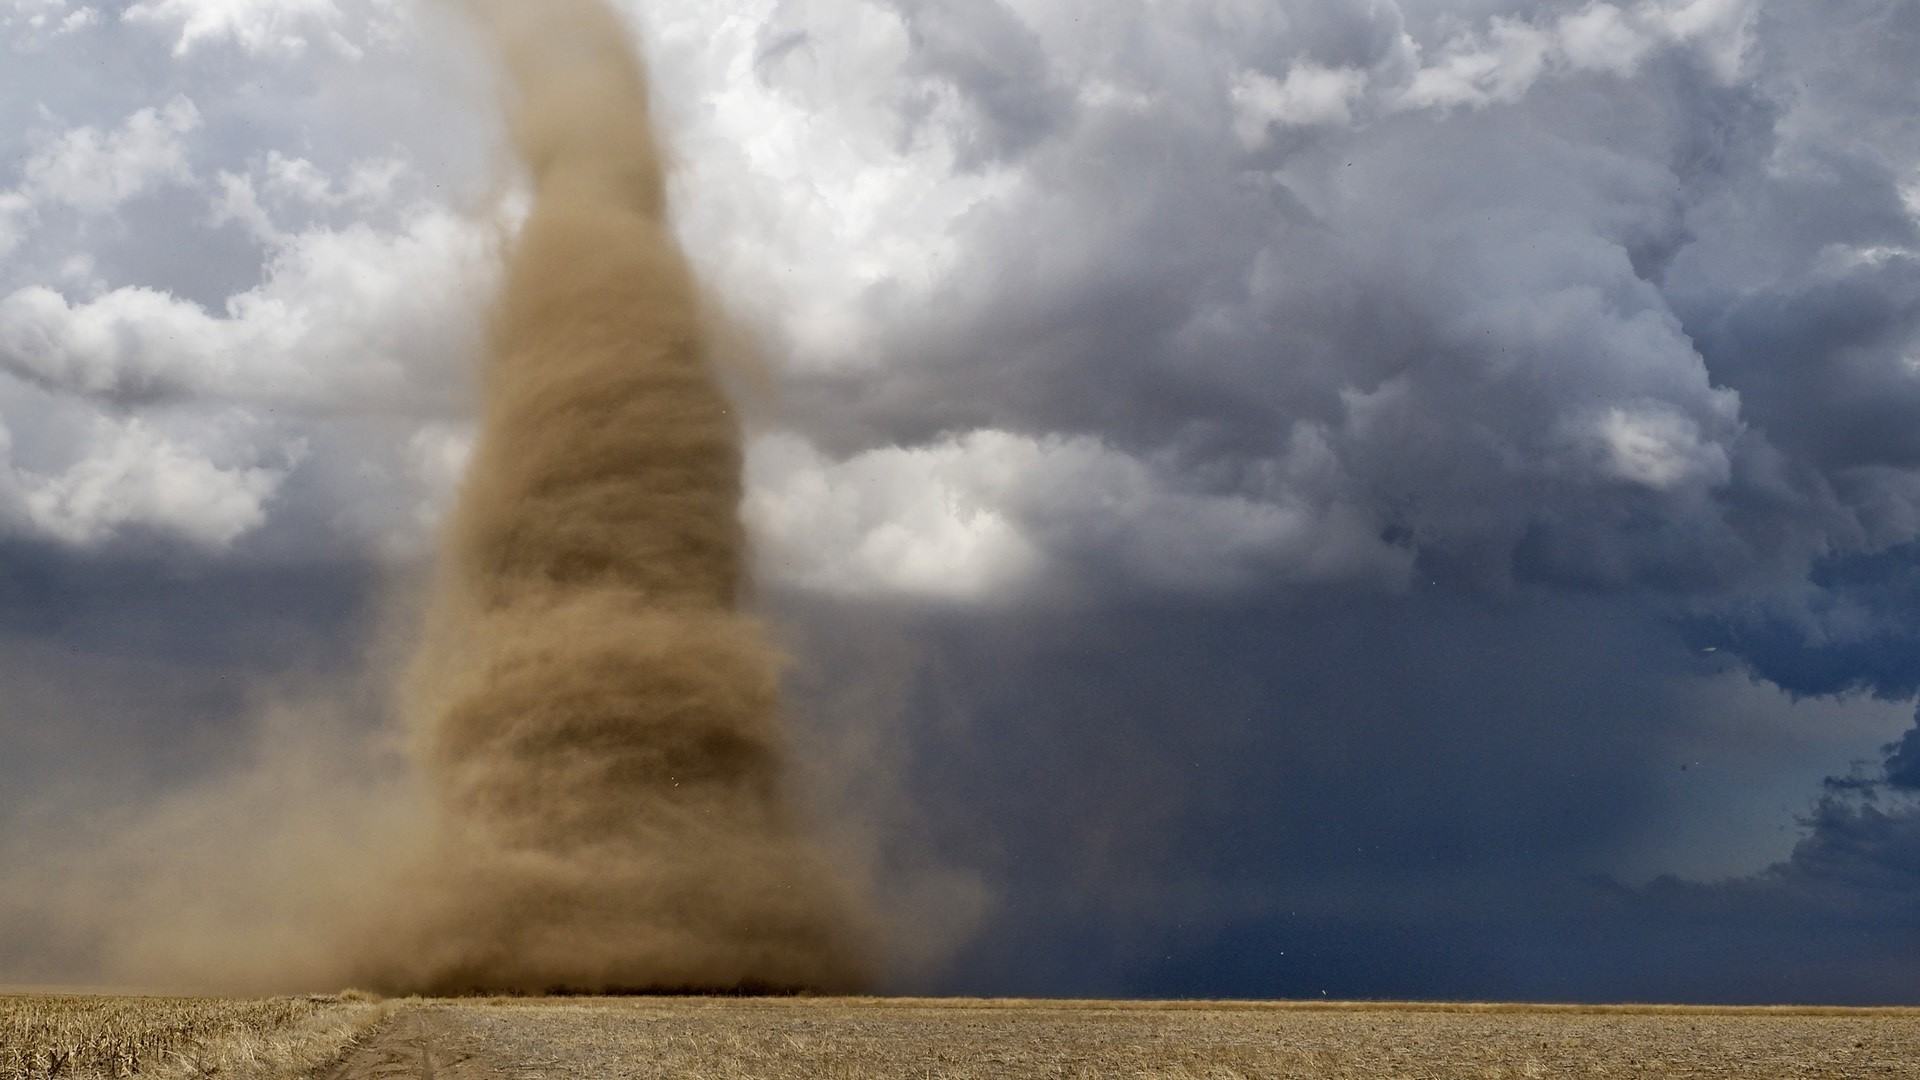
[(417, 1044)]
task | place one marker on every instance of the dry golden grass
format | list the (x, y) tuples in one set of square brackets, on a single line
[(870, 1039), (45, 1037), (886, 1039)]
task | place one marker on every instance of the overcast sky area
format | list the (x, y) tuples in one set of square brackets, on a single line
[(1265, 497)]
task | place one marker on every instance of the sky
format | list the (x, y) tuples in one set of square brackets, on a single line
[(1263, 497)]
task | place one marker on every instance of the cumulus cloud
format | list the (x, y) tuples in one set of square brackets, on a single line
[(36, 21), (349, 316), (920, 522), (992, 516), (1461, 306), (1499, 63), (1658, 450), (1502, 62), (95, 171), (16, 217), (1310, 94), (137, 477), (362, 299), (267, 28)]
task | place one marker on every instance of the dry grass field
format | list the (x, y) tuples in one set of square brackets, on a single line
[(52, 1036), (894, 1039)]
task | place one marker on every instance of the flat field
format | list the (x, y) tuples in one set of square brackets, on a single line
[(46, 1036), (871, 1039)]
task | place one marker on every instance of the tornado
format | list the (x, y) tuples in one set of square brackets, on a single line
[(598, 722)]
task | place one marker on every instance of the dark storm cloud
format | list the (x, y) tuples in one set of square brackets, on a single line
[(1832, 922), (1852, 626), (1532, 335), (128, 669), (1411, 798), (1623, 359), (1150, 779), (1903, 761), (1450, 305), (995, 64), (147, 597)]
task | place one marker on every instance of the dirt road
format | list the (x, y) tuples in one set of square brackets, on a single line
[(841, 1039), (418, 1042)]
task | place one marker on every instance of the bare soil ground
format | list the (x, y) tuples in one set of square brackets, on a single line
[(865, 1039)]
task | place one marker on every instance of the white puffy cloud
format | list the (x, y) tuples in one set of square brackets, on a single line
[(1496, 64), (95, 171), (36, 21), (206, 479), (1310, 94), (1658, 449), (33, 12), (268, 28), (367, 304), (922, 522), (369, 183), (804, 188), (135, 476), (16, 218), (994, 516), (354, 317), (1503, 62)]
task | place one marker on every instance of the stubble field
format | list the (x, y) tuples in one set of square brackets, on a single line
[(75, 1035), (350, 1038)]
